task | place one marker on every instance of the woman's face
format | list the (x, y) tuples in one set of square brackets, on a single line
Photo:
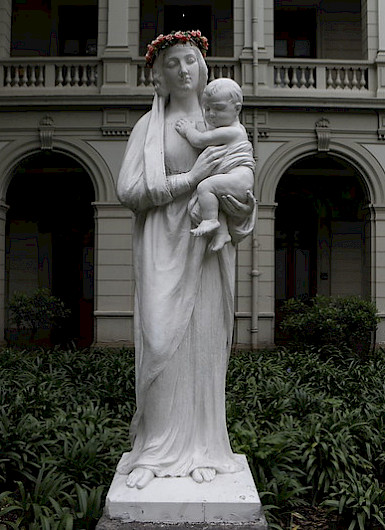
[(181, 69)]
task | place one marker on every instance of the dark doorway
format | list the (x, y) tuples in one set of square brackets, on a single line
[(50, 236), (322, 232)]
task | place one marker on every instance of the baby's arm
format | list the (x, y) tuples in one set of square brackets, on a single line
[(219, 136)]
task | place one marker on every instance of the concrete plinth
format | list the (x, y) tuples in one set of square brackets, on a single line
[(230, 500)]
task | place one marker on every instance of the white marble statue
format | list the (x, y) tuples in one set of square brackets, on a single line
[(184, 302)]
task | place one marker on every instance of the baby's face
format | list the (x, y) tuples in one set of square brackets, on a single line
[(220, 111)]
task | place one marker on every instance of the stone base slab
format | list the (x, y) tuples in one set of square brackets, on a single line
[(229, 501), (106, 523)]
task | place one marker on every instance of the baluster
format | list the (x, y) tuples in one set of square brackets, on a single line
[(338, 79), (84, 78), (16, 79), (294, 77), (354, 79), (329, 80), (93, 76), (362, 80), (150, 77), (8, 77), (76, 77), (302, 83), (40, 78), (32, 78), (346, 82), (24, 76), (142, 76), (212, 73), (311, 78), (68, 76), (277, 77), (286, 79), (59, 78)]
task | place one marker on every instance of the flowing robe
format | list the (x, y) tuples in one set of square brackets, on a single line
[(184, 306)]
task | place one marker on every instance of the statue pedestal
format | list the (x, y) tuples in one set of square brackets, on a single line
[(229, 500)]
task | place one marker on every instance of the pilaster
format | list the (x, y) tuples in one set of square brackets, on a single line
[(114, 284), (3, 218), (266, 271), (5, 27), (116, 71), (377, 265), (380, 59)]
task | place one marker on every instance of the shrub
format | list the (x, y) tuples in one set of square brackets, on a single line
[(40, 310), (349, 322)]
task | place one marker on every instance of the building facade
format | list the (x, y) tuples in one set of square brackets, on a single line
[(72, 86)]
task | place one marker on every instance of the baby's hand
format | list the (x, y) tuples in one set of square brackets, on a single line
[(182, 126)]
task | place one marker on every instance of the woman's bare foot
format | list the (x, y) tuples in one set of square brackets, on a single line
[(139, 477), (207, 226), (203, 474), (219, 241)]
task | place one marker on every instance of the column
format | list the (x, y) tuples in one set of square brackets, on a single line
[(114, 283), (246, 57), (381, 49), (5, 27), (116, 54), (378, 266), (3, 218), (266, 272)]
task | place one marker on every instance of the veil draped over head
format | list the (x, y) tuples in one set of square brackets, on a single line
[(142, 180), (154, 166)]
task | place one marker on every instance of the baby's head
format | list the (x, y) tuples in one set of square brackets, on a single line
[(222, 102)]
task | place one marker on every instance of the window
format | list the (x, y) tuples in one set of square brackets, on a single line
[(78, 30), (53, 27), (214, 18), (295, 32)]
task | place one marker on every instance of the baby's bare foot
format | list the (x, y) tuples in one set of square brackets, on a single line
[(219, 241), (207, 226)]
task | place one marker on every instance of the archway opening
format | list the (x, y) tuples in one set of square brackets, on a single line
[(322, 232), (50, 237)]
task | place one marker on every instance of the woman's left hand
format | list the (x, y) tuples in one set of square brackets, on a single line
[(234, 208)]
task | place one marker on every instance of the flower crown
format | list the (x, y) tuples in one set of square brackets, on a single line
[(175, 37)]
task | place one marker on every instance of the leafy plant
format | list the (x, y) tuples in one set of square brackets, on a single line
[(350, 322), (40, 310)]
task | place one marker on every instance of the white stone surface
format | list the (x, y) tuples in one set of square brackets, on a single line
[(229, 498)]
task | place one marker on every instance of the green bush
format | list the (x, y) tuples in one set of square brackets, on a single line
[(349, 322), (38, 311)]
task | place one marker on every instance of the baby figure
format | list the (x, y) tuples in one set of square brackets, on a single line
[(222, 102)]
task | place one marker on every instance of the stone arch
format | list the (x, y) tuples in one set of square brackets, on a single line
[(81, 152), (359, 158)]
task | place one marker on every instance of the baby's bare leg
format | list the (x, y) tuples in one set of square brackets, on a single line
[(209, 205), (235, 183)]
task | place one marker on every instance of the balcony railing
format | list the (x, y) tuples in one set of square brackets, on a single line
[(341, 78), (276, 77), (50, 73)]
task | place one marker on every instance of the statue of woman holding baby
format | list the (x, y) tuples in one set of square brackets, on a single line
[(184, 302)]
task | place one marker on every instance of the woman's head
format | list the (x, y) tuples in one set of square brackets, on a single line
[(179, 65)]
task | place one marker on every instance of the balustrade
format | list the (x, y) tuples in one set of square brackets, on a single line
[(24, 75), (50, 73), (332, 76), (294, 76)]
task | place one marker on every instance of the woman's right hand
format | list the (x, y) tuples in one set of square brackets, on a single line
[(205, 164)]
